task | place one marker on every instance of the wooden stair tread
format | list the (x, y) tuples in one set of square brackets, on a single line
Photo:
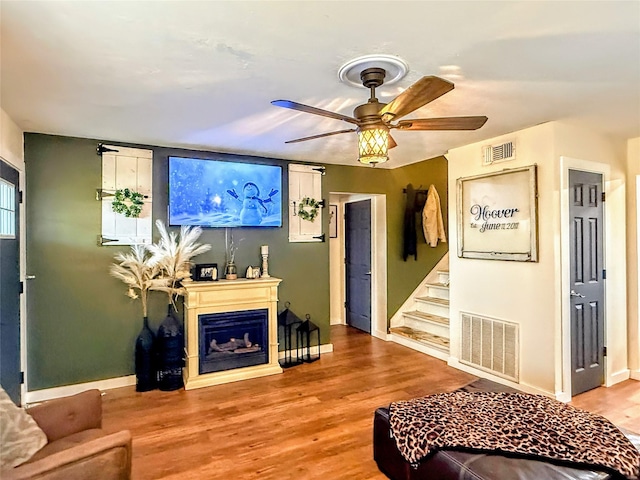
[(438, 285), (426, 338), (440, 301), (429, 317)]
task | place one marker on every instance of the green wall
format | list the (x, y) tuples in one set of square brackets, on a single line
[(81, 327)]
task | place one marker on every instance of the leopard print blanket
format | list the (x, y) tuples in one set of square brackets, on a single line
[(513, 423)]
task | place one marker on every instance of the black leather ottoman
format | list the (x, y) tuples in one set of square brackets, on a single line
[(458, 465)]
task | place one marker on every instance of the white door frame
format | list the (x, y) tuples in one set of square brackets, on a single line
[(378, 257)]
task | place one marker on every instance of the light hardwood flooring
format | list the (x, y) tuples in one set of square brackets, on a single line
[(312, 422)]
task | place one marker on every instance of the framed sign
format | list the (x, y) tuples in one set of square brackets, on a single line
[(497, 215)]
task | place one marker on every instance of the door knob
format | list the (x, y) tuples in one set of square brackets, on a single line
[(573, 293)]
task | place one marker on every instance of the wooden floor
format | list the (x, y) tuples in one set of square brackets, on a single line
[(312, 422)]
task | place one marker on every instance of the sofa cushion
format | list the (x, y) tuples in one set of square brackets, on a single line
[(20, 435), (67, 442)]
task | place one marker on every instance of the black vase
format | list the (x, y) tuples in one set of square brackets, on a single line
[(146, 374), (170, 351)]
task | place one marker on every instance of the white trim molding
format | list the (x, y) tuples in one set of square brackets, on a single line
[(36, 396)]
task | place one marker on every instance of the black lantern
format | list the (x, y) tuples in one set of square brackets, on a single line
[(287, 320), (304, 341)]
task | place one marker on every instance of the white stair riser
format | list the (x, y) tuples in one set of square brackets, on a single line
[(432, 308), (425, 326), (437, 292), (443, 277)]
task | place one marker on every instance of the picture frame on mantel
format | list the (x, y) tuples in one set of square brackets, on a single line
[(205, 272), (498, 215)]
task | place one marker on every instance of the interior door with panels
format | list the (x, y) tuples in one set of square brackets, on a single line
[(587, 281)]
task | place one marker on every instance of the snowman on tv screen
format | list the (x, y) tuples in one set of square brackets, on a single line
[(253, 207)]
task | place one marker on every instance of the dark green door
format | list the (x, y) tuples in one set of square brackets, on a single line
[(9, 282), (358, 264)]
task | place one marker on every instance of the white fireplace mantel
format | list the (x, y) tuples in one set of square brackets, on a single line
[(202, 298)]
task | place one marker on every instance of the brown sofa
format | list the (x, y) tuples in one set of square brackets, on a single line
[(78, 447)]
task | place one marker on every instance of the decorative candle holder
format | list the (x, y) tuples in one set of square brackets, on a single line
[(264, 251)]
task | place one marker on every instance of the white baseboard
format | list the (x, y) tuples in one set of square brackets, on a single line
[(618, 377), (36, 396), (635, 374), (455, 363), (420, 347)]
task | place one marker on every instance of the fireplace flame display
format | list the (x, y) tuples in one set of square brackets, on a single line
[(233, 346), (233, 340)]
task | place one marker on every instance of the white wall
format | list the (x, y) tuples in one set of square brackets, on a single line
[(11, 142), (527, 293), (633, 201)]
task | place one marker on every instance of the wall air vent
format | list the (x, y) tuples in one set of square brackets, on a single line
[(490, 345), (498, 153)]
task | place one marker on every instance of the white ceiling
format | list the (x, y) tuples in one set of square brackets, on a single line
[(201, 75)]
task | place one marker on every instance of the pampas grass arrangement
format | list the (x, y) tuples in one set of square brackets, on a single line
[(172, 255), (161, 266), (136, 270)]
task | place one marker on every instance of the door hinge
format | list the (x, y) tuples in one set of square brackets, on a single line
[(20, 196), (603, 196), (604, 351), (21, 288), (100, 149), (604, 274), (21, 378)]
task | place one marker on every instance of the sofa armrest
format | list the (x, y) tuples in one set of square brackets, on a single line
[(62, 417), (106, 458)]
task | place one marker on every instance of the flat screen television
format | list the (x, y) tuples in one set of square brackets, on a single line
[(212, 193)]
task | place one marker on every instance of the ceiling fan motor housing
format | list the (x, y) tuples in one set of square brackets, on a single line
[(369, 113)]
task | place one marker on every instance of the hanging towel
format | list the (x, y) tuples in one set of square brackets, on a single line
[(432, 224), (410, 238)]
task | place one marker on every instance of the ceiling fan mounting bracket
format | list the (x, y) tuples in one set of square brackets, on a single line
[(372, 77)]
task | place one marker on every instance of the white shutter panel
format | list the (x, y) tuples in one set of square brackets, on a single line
[(126, 168), (304, 181)]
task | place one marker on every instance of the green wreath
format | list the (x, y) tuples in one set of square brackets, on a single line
[(308, 209), (128, 202)]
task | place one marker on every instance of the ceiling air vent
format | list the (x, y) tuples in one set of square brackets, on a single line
[(498, 153)]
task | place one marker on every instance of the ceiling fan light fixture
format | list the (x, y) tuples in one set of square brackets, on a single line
[(373, 145)]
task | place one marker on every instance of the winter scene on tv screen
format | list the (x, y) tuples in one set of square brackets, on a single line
[(211, 193)]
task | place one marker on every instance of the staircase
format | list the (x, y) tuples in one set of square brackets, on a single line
[(423, 321)]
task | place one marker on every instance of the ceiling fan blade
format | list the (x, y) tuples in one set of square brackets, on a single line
[(316, 111), (448, 123), (392, 142), (425, 90), (304, 139)]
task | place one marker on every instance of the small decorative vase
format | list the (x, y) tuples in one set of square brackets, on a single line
[(145, 359), (231, 271), (170, 350)]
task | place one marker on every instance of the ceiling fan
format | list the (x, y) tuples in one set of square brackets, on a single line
[(374, 120)]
